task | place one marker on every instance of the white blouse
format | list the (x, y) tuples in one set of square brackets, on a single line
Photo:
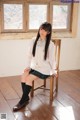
[(37, 62)]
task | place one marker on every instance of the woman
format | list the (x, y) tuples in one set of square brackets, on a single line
[(40, 62)]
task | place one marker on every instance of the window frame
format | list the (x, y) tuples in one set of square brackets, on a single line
[(2, 17), (68, 19), (36, 3)]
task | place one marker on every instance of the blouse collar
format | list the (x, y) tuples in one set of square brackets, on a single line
[(42, 40)]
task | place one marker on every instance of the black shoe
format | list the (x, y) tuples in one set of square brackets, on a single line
[(20, 105)]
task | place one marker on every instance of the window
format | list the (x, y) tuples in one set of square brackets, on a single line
[(13, 16), (60, 16), (37, 15)]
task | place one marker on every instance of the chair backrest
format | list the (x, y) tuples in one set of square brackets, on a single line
[(57, 43)]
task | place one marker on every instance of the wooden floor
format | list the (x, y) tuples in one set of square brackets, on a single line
[(65, 106)]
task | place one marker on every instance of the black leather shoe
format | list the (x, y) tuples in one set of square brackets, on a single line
[(19, 106)]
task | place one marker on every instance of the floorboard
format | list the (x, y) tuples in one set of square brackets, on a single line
[(65, 106)]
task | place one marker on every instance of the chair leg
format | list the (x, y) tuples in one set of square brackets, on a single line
[(51, 87), (45, 83), (32, 91), (56, 84)]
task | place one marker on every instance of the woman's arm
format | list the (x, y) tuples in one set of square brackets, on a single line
[(52, 57), (29, 55)]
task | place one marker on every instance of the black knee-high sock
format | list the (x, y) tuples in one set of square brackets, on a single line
[(25, 96), (23, 86)]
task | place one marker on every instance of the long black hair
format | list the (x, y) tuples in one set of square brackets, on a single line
[(47, 27)]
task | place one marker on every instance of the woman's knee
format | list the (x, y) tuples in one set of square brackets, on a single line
[(24, 75), (31, 77)]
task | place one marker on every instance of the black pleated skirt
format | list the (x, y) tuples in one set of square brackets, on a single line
[(38, 74)]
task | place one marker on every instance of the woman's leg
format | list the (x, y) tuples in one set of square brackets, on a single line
[(27, 78), (30, 78), (24, 75), (27, 88), (26, 81)]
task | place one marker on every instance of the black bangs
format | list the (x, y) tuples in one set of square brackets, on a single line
[(46, 26)]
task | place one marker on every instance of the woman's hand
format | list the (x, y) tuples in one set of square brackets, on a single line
[(27, 69), (55, 73)]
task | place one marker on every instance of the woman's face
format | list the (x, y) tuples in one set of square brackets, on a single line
[(43, 33)]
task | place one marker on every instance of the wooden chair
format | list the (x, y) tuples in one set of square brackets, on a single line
[(57, 43)]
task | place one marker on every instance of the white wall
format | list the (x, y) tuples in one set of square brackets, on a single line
[(13, 54), (12, 57), (70, 54)]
